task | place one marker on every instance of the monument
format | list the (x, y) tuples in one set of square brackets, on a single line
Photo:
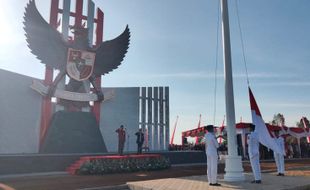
[(73, 128)]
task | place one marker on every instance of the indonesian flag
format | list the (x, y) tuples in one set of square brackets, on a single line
[(264, 135), (220, 140)]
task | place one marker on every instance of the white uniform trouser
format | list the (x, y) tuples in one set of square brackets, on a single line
[(212, 167), (279, 158), (256, 167)]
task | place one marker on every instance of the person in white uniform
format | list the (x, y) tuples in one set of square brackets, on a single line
[(211, 146), (253, 150), (279, 158)]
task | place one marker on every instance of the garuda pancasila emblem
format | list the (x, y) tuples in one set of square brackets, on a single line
[(76, 58)]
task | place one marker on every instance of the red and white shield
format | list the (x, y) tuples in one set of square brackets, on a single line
[(80, 64)]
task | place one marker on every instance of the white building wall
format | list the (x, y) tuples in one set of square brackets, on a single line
[(20, 114)]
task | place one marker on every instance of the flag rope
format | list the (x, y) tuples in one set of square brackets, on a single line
[(216, 62), (242, 43)]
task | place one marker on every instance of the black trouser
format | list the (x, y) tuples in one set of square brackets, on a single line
[(140, 148), (120, 147)]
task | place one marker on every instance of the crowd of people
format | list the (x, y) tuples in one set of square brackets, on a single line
[(291, 148)]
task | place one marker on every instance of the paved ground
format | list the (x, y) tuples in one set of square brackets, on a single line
[(59, 181), (269, 182)]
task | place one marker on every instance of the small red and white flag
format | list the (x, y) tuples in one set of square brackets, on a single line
[(264, 135), (197, 138), (220, 140), (306, 129)]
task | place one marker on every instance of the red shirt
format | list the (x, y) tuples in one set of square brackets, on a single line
[(121, 134)]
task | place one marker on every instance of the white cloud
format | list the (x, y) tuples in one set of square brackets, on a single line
[(210, 75), (288, 105), (293, 83)]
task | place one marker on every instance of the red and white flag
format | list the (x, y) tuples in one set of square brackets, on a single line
[(264, 135), (197, 138), (220, 140), (305, 126)]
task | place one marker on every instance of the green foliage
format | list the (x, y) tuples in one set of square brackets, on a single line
[(126, 164), (278, 119), (302, 122)]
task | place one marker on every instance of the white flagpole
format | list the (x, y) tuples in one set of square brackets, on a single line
[(233, 164)]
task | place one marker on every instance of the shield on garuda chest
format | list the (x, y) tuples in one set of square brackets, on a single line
[(80, 64)]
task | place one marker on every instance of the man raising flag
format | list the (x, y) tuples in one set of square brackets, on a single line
[(264, 136)]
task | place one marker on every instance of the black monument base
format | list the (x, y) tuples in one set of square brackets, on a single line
[(73, 132)]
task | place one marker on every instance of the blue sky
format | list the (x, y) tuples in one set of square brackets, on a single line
[(173, 43)]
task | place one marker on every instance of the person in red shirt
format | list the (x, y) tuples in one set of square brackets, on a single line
[(121, 139)]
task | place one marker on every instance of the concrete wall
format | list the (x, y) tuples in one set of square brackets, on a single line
[(21, 110), (122, 109), (19, 115)]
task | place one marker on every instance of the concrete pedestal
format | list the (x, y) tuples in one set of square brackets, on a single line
[(233, 169)]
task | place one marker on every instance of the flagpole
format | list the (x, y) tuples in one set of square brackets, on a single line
[(233, 164)]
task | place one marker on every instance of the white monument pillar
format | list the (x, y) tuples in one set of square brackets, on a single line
[(233, 164)]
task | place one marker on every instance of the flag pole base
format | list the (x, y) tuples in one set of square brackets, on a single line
[(233, 169)]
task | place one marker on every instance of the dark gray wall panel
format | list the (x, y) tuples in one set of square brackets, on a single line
[(122, 109)]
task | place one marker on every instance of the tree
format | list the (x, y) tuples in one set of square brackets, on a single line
[(278, 119), (302, 122)]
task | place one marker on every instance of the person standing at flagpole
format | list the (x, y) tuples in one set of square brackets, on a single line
[(211, 146), (140, 140), (279, 158), (253, 150), (261, 135)]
